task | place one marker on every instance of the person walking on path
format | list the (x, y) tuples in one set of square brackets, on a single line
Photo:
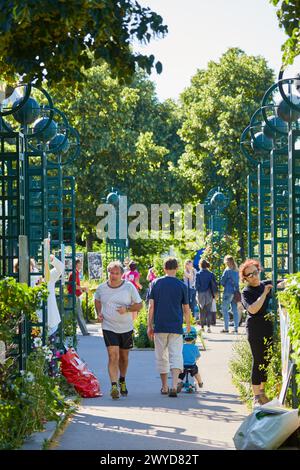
[(230, 282), (189, 279), (168, 302), (133, 276), (151, 276), (207, 289), (78, 292), (256, 297), (115, 300)]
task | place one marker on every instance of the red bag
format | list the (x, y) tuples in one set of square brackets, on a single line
[(77, 373)]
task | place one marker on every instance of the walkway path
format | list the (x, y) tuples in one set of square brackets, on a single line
[(148, 420)]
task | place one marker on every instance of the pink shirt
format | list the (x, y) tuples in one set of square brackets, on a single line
[(151, 275), (132, 276)]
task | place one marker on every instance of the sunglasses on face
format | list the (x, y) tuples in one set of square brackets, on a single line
[(253, 273)]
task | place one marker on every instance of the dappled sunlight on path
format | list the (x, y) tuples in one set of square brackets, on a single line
[(147, 420)]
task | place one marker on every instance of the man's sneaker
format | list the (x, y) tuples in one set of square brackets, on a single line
[(114, 393), (224, 331), (123, 389), (208, 330)]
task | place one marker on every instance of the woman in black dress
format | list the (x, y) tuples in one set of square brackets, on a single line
[(259, 326)]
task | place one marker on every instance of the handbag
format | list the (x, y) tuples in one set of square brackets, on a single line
[(237, 296), (213, 306), (213, 286)]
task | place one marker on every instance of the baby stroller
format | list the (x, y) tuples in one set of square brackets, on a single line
[(189, 370)]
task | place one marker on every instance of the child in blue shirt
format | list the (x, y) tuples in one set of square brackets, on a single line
[(190, 354)]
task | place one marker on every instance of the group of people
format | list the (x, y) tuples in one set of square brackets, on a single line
[(203, 290), (170, 302)]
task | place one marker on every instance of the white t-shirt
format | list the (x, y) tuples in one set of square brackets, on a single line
[(113, 297)]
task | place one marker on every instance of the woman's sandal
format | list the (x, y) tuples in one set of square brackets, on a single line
[(163, 392)]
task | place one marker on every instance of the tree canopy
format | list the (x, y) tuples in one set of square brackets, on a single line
[(55, 38), (215, 110), (288, 14), (128, 141)]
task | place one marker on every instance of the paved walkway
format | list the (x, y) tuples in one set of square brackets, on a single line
[(148, 420)]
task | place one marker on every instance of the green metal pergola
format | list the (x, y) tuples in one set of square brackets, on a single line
[(275, 129), (294, 201), (36, 201)]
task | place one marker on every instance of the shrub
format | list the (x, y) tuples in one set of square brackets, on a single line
[(140, 338), (240, 367), (17, 300), (274, 377), (29, 399), (88, 308), (290, 299)]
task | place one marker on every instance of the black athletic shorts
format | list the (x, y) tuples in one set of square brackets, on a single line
[(193, 370), (122, 340)]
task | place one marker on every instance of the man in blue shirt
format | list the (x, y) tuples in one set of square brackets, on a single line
[(168, 302)]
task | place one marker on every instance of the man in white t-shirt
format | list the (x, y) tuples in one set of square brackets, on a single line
[(115, 299)]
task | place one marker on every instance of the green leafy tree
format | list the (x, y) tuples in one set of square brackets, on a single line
[(215, 109), (288, 14), (216, 249), (53, 39), (128, 141)]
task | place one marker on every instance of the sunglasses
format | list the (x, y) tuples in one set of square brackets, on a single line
[(254, 273)]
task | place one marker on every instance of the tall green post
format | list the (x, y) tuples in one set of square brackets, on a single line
[(294, 201)]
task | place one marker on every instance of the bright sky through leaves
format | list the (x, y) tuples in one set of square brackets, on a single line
[(202, 30)]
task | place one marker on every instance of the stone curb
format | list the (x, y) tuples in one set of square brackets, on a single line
[(38, 440)]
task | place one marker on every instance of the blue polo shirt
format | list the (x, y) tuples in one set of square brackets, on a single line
[(169, 294)]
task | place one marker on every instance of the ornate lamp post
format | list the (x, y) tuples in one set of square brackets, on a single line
[(215, 203), (117, 248)]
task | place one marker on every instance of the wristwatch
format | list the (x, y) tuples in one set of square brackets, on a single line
[(127, 308)]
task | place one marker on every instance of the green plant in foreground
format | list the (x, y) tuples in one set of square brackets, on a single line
[(240, 367), (290, 299), (18, 300), (29, 399)]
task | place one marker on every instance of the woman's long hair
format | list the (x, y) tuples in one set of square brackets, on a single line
[(229, 260)]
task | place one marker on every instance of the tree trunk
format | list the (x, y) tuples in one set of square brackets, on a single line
[(241, 242), (89, 242)]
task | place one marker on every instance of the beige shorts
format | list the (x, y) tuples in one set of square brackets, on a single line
[(168, 352)]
